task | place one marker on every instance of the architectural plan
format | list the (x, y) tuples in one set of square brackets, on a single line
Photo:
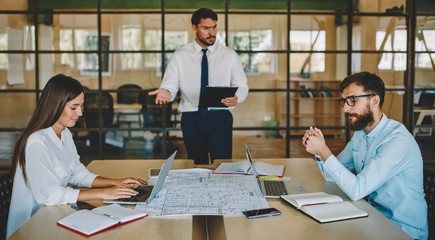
[(203, 193)]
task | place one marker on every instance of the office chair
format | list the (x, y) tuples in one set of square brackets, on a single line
[(5, 200), (155, 115), (128, 94), (426, 100), (91, 113)]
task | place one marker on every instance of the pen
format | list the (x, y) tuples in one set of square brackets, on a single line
[(315, 204), (108, 215)]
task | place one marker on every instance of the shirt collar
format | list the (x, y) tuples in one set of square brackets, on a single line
[(198, 48), (381, 125), (53, 137)]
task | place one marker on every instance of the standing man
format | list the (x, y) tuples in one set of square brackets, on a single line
[(382, 152), (199, 64)]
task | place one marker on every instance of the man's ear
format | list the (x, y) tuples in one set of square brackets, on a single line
[(194, 28), (376, 100)]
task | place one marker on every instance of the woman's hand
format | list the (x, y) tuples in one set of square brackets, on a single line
[(117, 192), (129, 182), (100, 182), (106, 193)]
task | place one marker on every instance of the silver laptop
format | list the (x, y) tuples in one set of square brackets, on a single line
[(274, 188), (148, 192)]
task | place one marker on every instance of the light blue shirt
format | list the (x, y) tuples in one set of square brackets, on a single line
[(389, 169)]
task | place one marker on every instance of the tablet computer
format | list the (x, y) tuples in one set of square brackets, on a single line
[(212, 96)]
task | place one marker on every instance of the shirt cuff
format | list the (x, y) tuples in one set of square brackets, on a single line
[(173, 95), (332, 164), (74, 196), (89, 180), (318, 158)]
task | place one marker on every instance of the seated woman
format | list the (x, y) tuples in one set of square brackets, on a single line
[(45, 158)]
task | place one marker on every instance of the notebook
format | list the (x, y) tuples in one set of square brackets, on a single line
[(275, 188), (148, 192)]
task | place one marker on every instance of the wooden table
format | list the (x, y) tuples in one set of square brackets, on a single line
[(292, 224)]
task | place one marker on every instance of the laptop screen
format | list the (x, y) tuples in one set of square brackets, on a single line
[(162, 176), (251, 163)]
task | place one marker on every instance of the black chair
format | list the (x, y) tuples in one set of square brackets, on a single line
[(155, 115), (429, 189), (5, 200), (426, 100), (93, 102), (128, 94)]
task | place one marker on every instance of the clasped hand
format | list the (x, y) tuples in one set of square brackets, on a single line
[(314, 143)]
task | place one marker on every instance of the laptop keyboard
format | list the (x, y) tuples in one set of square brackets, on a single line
[(144, 193), (275, 188)]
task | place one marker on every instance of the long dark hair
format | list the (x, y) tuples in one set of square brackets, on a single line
[(59, 90)]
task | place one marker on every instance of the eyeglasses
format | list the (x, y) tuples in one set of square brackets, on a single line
[(352, 99)]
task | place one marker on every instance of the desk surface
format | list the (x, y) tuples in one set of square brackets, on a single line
[(291, 224)]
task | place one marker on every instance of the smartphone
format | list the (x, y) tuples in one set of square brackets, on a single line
[(265, 212), (82, 205)]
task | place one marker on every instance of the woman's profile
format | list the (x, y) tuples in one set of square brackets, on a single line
[(45, 158)]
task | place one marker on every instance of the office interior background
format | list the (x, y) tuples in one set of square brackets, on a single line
[(294, 53)]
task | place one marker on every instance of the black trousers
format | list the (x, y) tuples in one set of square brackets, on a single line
[(210, 134)]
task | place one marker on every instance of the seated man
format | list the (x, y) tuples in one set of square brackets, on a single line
[(382, 152)]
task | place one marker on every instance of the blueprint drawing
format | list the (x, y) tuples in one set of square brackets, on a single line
[(203, 193)]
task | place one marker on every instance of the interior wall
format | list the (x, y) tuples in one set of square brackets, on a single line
[(257, 106)]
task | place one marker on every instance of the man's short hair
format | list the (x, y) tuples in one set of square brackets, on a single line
[(203, 13), (370, 82)]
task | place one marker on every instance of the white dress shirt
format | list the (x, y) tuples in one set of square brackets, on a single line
[(51, 163), (184, 73)]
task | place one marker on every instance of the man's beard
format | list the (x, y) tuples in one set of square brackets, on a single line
[(362, 121), (203, 40)]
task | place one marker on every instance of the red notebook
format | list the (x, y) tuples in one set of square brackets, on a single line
[(89, 222)]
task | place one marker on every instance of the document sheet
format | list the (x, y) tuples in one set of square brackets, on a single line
[(203, 193)]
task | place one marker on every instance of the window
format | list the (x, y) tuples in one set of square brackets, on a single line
[(425, 42), (131, 40), (256, 40), (66, 44), (84, 40), (152, 41), (3, 47), (396, 41), (303, 40)]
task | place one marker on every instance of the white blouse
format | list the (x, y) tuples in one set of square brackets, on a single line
[(51, 163)]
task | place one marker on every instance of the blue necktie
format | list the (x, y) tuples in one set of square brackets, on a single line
[(204, 78)]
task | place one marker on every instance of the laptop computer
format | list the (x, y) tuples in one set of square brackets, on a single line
[(148, 192), (274, 188)]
